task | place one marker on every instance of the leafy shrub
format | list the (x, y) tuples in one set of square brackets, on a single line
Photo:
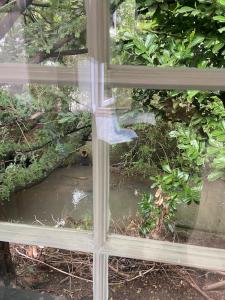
[(187, 145)]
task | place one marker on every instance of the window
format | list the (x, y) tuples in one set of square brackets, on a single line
[(98, 83)]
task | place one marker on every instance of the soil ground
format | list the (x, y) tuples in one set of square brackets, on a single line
[(129, 279)]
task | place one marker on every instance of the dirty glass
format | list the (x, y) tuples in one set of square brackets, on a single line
[(46, 155), (45, 129), (38, 272), (133, 279), (167, 33), (47, 32), (167, 165)]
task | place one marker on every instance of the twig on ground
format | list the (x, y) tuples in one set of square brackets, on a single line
[(54, 268), (192, 283), (64, 279), (214, 286), (141, 274), (123, 270), (118, 272), (38, 221)]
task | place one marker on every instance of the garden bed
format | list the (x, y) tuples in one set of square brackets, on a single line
[(69, 274)]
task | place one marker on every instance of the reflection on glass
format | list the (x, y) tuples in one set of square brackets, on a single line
[(38, 272), (168, 182), (132, 279), (50, 32), (168, 33), (45, 156)]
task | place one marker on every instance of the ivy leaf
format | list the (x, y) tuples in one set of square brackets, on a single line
[(166, 168), (192, 35), (197, 40), (217, 47), (221, 30), (185, 9), (220, 19), (192, 93), (222, 2)]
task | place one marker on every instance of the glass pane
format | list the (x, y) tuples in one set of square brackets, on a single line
[(38, 272), (168, 33), (49, 32), (45, 155), (132, 279), (167, 165)]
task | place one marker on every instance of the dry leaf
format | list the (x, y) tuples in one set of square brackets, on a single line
[(159, 202), (32, 251), (158, 193), (36, 115), (35, 251)]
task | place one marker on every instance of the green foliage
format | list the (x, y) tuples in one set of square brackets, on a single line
[(149, 212), (180, 186), (199, 153), (191, 146), (145, 155), (18, 175), (169, 34), (38, 133), (38, 130), (182, 33), (42, 29)]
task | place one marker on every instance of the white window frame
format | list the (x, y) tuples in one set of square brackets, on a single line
[(103, 77)]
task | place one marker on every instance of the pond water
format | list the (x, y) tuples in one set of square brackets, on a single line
[(67, 192), (53, 199)]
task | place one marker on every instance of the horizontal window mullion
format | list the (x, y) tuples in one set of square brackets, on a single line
[(118, 76), (116, 245), (27, 73), (47, 236), (166, 78), (166, 252)]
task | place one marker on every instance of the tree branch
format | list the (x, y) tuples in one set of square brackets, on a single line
[(42, 16), (60, 54), (41, 4), (36, 147), (9, 20), (40, 56)]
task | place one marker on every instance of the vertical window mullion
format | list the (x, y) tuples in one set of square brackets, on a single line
[(97, 37)]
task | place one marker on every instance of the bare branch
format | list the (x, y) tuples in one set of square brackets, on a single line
[(40, 56), (60, 54), (215, 286)]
